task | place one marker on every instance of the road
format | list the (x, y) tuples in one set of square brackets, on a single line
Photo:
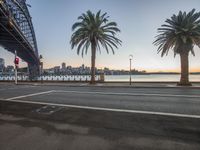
[(158, 118), (166, 100)]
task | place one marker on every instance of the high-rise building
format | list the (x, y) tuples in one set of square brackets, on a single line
[(83, 66), (63, 66), (2, 64)]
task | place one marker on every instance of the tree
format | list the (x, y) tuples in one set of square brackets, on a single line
[(94, 31), (181, 34)]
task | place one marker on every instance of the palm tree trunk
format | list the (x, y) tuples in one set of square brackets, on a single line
[(184, 81), (93, 57)]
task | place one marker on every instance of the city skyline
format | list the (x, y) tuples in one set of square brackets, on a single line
[(138, 21)]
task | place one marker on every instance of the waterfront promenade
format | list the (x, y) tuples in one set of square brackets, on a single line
[(78, 116), (104, 84)]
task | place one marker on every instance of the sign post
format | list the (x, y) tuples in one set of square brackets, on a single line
[(16, 61)]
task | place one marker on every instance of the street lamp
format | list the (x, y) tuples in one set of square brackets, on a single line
[(130, 58)]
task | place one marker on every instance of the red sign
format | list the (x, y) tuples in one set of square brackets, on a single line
[(16, 61)]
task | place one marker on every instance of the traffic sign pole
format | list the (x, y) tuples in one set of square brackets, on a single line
[(15, 68)]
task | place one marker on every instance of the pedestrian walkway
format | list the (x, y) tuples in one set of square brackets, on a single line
[(111, 84)]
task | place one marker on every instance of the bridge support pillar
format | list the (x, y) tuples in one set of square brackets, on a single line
[(34, 72)]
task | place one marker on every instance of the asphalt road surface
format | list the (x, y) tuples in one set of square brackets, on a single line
[(61, 117)]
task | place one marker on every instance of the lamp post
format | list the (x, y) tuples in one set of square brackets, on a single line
[(41, 68), (130, 58)]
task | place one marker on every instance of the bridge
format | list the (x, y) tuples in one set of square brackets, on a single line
[(17, 33)]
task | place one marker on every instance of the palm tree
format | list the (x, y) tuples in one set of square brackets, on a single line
[(94, 31), (181, 34)]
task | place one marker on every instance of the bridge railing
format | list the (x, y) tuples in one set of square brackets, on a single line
[(66, 78)]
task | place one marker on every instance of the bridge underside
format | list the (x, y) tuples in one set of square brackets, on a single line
[(11, 39)]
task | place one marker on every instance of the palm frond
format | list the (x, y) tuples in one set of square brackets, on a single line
[(94, 29), (180, 33)]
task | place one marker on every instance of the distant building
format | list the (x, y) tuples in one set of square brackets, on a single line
[(10, 69), (85, 70), (2, 64), (83, 66), (63, 66), (57, 69), (49, 71), (69, 67)]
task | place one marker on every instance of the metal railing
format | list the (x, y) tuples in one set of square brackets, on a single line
[(69, 78)]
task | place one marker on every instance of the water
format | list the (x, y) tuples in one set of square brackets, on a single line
[(146, 78), (149, 78)]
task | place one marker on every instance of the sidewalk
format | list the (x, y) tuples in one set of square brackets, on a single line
[(109, 84)]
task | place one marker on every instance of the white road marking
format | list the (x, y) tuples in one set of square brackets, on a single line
[(107, 109), (30, 95), (128, 94)]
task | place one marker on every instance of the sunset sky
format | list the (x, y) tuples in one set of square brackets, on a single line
[(137, 19)]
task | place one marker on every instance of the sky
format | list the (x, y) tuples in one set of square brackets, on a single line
[(138, 21)]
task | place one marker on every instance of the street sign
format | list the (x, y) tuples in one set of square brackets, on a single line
[(16, 61)]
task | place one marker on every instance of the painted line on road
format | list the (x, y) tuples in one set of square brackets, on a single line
[(128, 94), (107, 109), (30, 95)]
